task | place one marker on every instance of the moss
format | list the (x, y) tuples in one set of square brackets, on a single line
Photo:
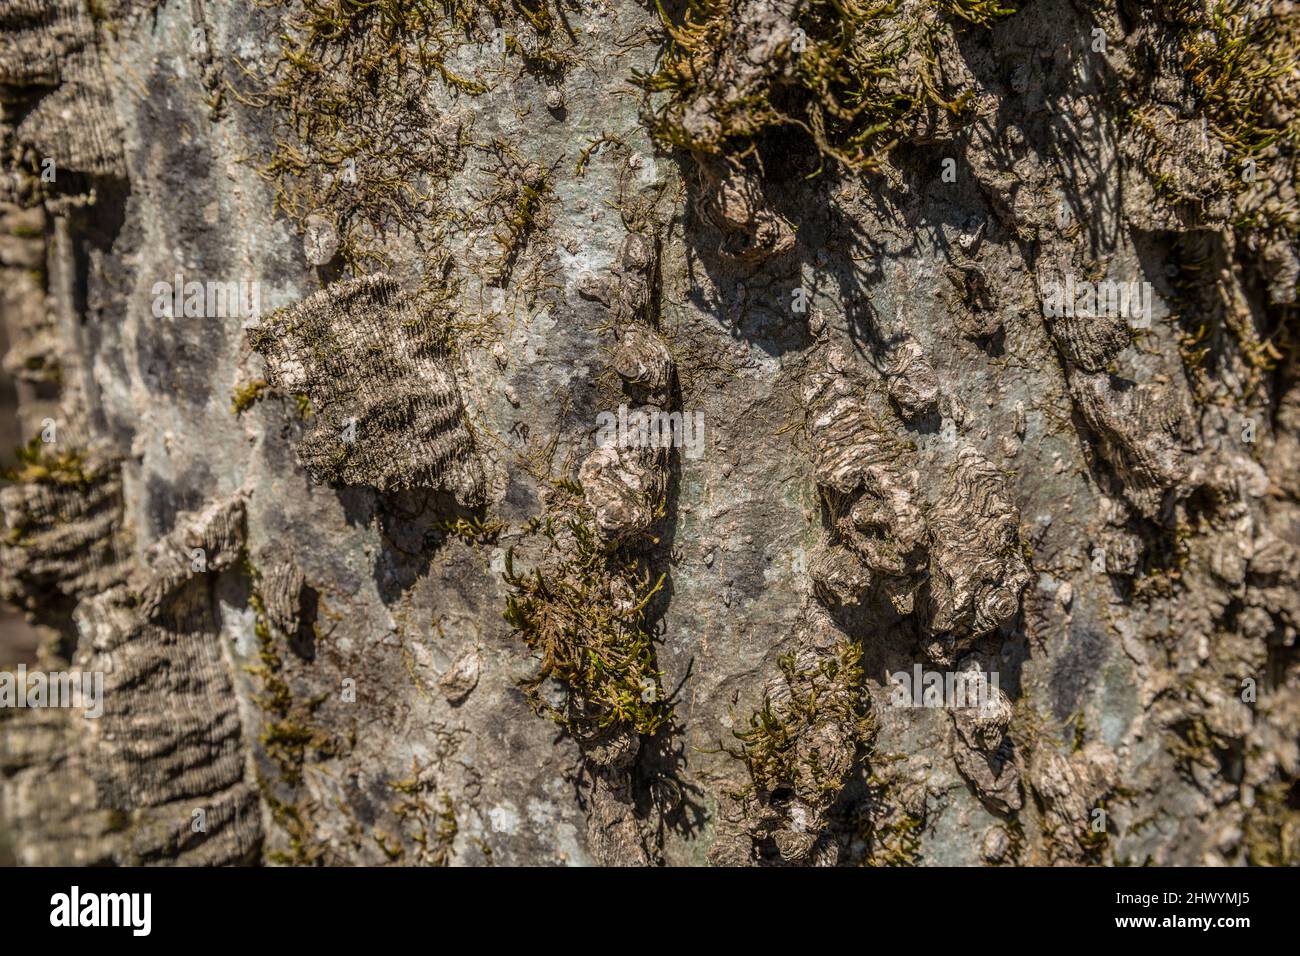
[(982, 13), (584, 156), (448, 827), (897, 842), (353, 139), (1231, 60), (1272, 827), (348, 140), (585, 614), (473, 531), (288, 732), (431, 826), (40, 463), (831, 692), (1146, 125), (1240, 67), (245, 397), (485, 849), (1080, 736), (703, 359), (303, 850), (861, 73), (884, 834), (545, 53), (517, 206), (393, 852)]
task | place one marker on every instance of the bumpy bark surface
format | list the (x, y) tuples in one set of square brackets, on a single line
[(368, 586)]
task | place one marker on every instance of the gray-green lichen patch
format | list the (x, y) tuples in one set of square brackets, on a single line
[(386, 406)]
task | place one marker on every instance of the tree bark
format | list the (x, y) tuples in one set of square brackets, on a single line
[(973, 330)]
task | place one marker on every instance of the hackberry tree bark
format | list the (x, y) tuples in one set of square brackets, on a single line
[(737, 432)]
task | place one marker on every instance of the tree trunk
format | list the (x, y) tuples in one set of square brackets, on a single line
[(500, 432)]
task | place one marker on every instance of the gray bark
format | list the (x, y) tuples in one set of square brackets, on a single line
[(309, 547)]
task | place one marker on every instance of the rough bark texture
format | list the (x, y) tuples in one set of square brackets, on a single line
[(367, 585)]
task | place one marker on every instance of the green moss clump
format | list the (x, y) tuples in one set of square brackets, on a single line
[(353, 139), (1206, 320), (983, 13), (394, 852), (288, 733), (774, 745), (518, 206), (586, 616), (303, 851), (431, 829), (473, 531), (896, 842), (244, 398), (287, 736), (1242, 68), (1233, 61), (39, 463), (851, 76), (1273, 826), (545, 51)]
